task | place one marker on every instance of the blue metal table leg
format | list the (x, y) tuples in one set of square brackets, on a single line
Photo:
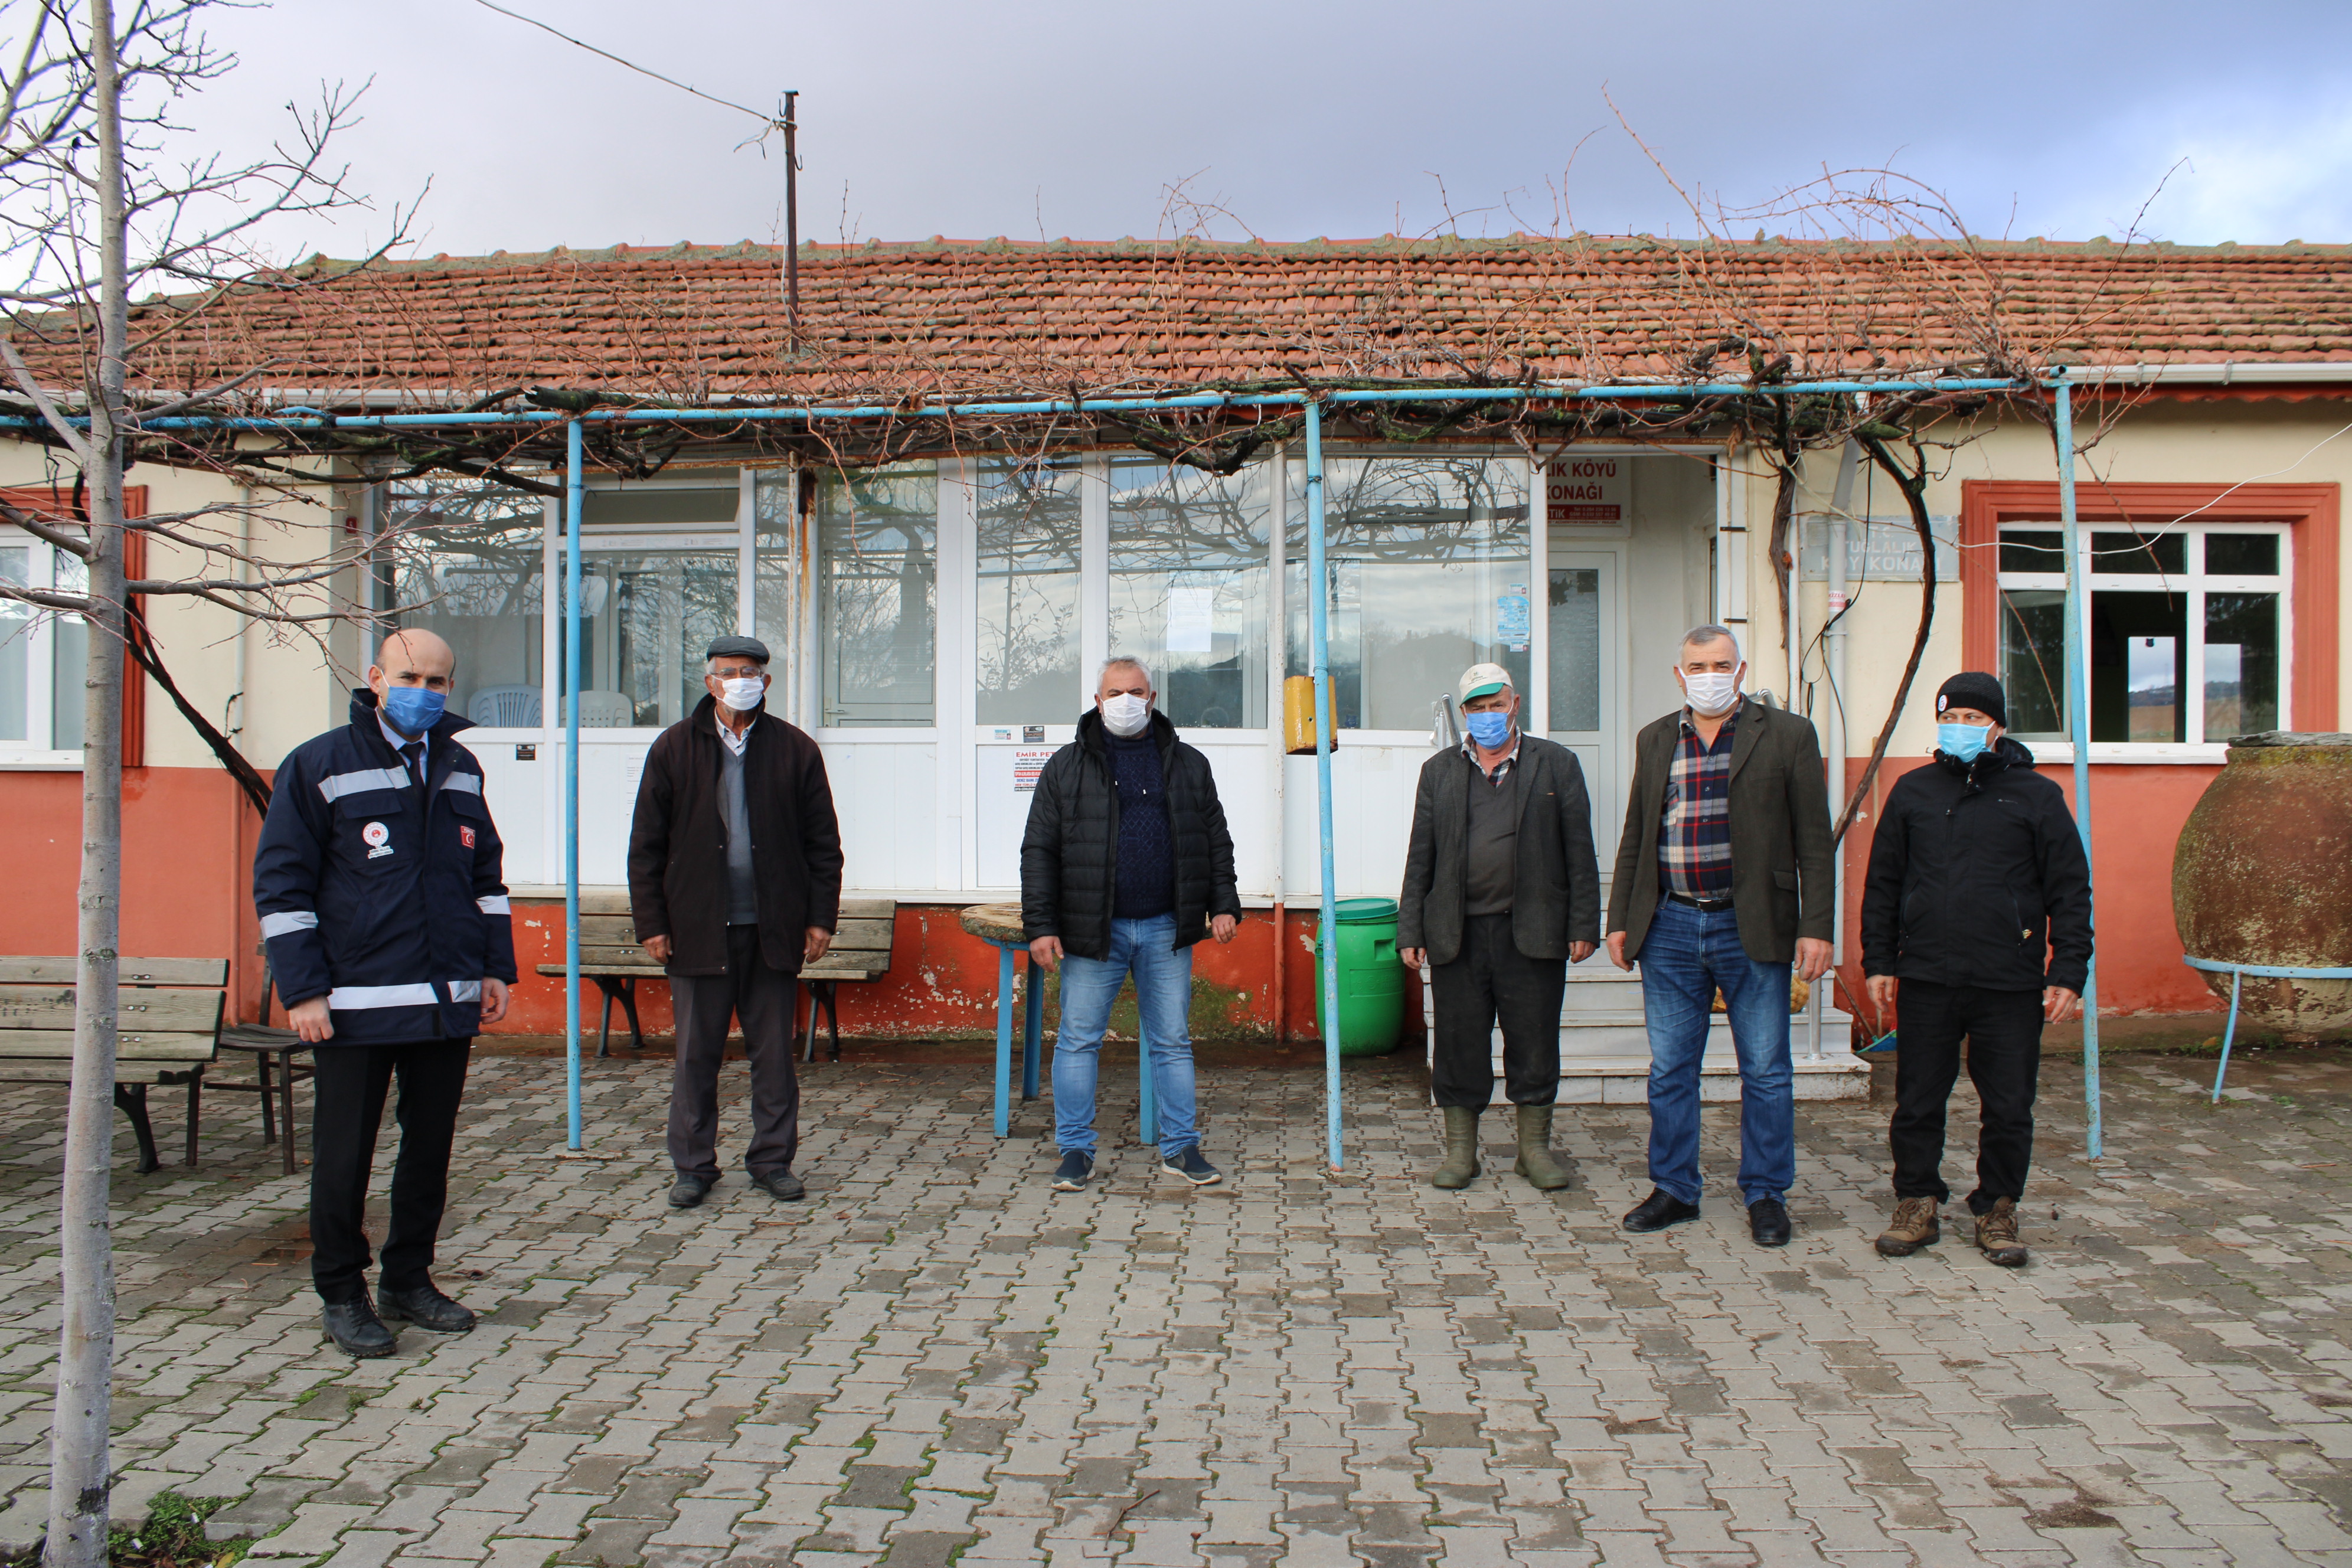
[(1033, 1031), (1147, 1116), (1004, 1041), (2237, 979)]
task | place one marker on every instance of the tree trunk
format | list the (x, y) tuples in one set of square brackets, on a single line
[(78, 1475)]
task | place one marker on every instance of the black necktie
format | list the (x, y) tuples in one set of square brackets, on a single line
[(413, 755)]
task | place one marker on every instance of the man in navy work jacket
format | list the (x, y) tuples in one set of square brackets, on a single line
[(1976, 921), (1126, 863), (379, 883)]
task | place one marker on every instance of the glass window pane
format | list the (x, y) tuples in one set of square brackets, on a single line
[(2033, 549), (2242, 554), (466, 555), (877, 611), (2033, 661), (69, 659), (1576, 649), (646, 617), (2242, 664), (15, 645), (2135, 552), (1189, 585), (775, 495), (1427, 560), (2139, 654), (1028, 610)]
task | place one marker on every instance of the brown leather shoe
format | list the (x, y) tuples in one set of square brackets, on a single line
[(1996, 1234), (1915, 1225)]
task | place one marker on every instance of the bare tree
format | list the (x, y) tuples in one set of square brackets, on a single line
[(91, 212)]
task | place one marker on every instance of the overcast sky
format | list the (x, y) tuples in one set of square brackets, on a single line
[(1303, 117)]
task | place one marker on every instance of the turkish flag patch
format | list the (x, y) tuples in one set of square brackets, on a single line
[(466, 836)]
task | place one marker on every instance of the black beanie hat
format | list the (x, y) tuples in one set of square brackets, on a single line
[(1973, 688)]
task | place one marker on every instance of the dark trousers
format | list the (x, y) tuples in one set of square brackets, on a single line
[(2004, 1035), (1489, 980), (763, 998), (351, 1086)]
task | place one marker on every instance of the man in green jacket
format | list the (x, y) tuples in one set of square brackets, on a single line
[(1501, 894)]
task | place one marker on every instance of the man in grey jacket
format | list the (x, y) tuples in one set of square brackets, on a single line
[(1501, 894)]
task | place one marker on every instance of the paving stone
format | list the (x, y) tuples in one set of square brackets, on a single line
[(935, 1357)]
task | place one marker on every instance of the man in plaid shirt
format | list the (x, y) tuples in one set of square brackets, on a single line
[(1723, 883)]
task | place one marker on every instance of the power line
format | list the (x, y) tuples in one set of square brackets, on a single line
[(769, 120)]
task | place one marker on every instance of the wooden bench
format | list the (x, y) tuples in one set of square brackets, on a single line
[(610, 955), (168, 1018)]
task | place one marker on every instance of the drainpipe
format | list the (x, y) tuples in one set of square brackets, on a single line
[(1279, 665), (1326, 715), (571, 504), (2078, 730)]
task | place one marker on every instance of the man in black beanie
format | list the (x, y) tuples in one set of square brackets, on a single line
[(1976, 921)]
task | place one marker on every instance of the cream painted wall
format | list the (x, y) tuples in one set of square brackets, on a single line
[(2162, 442), (292, 693)]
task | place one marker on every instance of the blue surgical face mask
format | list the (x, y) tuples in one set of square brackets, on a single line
[(1962, 743), (413, 710), (1489, 730)]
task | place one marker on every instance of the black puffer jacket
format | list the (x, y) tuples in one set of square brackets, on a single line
[(1069, 855), (1977, 878)]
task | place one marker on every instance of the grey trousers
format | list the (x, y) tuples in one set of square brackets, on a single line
[(763, 998)]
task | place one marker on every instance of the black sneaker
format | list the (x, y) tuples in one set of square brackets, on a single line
[(1071, 1174), (1192, 1168)]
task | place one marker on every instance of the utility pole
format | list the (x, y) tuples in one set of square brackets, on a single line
[(791, 225)]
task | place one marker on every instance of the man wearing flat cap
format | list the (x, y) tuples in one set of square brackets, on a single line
[(1976, 923), (734, 883)]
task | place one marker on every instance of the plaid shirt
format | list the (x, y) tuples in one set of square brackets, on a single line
[(1502, 768), (1695, 831)]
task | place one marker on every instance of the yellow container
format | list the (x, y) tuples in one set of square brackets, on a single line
[(1299, 716)]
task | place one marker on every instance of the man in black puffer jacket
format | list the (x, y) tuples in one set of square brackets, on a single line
[(1125, 864), (1979, 904)]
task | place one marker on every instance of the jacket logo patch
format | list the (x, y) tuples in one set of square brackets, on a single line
[(378, 838), (466, 836)]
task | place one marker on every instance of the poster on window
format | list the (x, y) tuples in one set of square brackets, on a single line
[(1591, 492), (1028, 761), (1191, 617), (1511, 618)]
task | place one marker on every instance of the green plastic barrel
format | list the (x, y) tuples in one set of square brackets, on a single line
[(1372, 981)]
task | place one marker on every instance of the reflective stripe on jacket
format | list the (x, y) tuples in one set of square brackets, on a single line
[(388, 902)]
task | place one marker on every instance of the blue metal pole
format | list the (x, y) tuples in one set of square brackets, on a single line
[(573, 441), (1319, 598), (2078, 727), (311, 419)]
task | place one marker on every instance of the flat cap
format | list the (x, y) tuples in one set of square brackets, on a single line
[(736, 648)]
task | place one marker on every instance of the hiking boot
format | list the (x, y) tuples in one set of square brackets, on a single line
[(1461, 1166), (1535, 1162), (1192, 1168), (427, 1307), (1915, 1225), (356, 1330), (1070, 1175), (1996, 1234)]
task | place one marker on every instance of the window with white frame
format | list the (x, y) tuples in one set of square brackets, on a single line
[(43, 655), (2188, 635)]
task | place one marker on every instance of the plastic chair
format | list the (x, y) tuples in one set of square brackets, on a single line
[(606, 711), (505, 707)]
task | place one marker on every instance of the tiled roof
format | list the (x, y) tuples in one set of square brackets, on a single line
[(948, 317)]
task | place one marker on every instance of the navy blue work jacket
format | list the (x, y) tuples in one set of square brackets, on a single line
[(388, 902)]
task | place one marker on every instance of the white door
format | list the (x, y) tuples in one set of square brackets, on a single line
[(1586, 679)]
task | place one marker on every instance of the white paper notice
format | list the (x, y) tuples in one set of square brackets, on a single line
[(1028, 761), (1192, 618)]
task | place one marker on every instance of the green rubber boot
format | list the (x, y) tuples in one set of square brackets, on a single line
[(1535, 1162), (1461, 1166)]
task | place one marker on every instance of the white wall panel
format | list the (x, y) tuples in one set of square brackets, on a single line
[(887, 798)]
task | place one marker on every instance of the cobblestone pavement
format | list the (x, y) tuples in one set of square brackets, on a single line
[(937, 1360)]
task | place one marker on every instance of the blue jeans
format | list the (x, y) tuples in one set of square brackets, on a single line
[(1687, 955), (1163, 1001)]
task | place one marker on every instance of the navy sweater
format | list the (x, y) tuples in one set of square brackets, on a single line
[(1147, 860)]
